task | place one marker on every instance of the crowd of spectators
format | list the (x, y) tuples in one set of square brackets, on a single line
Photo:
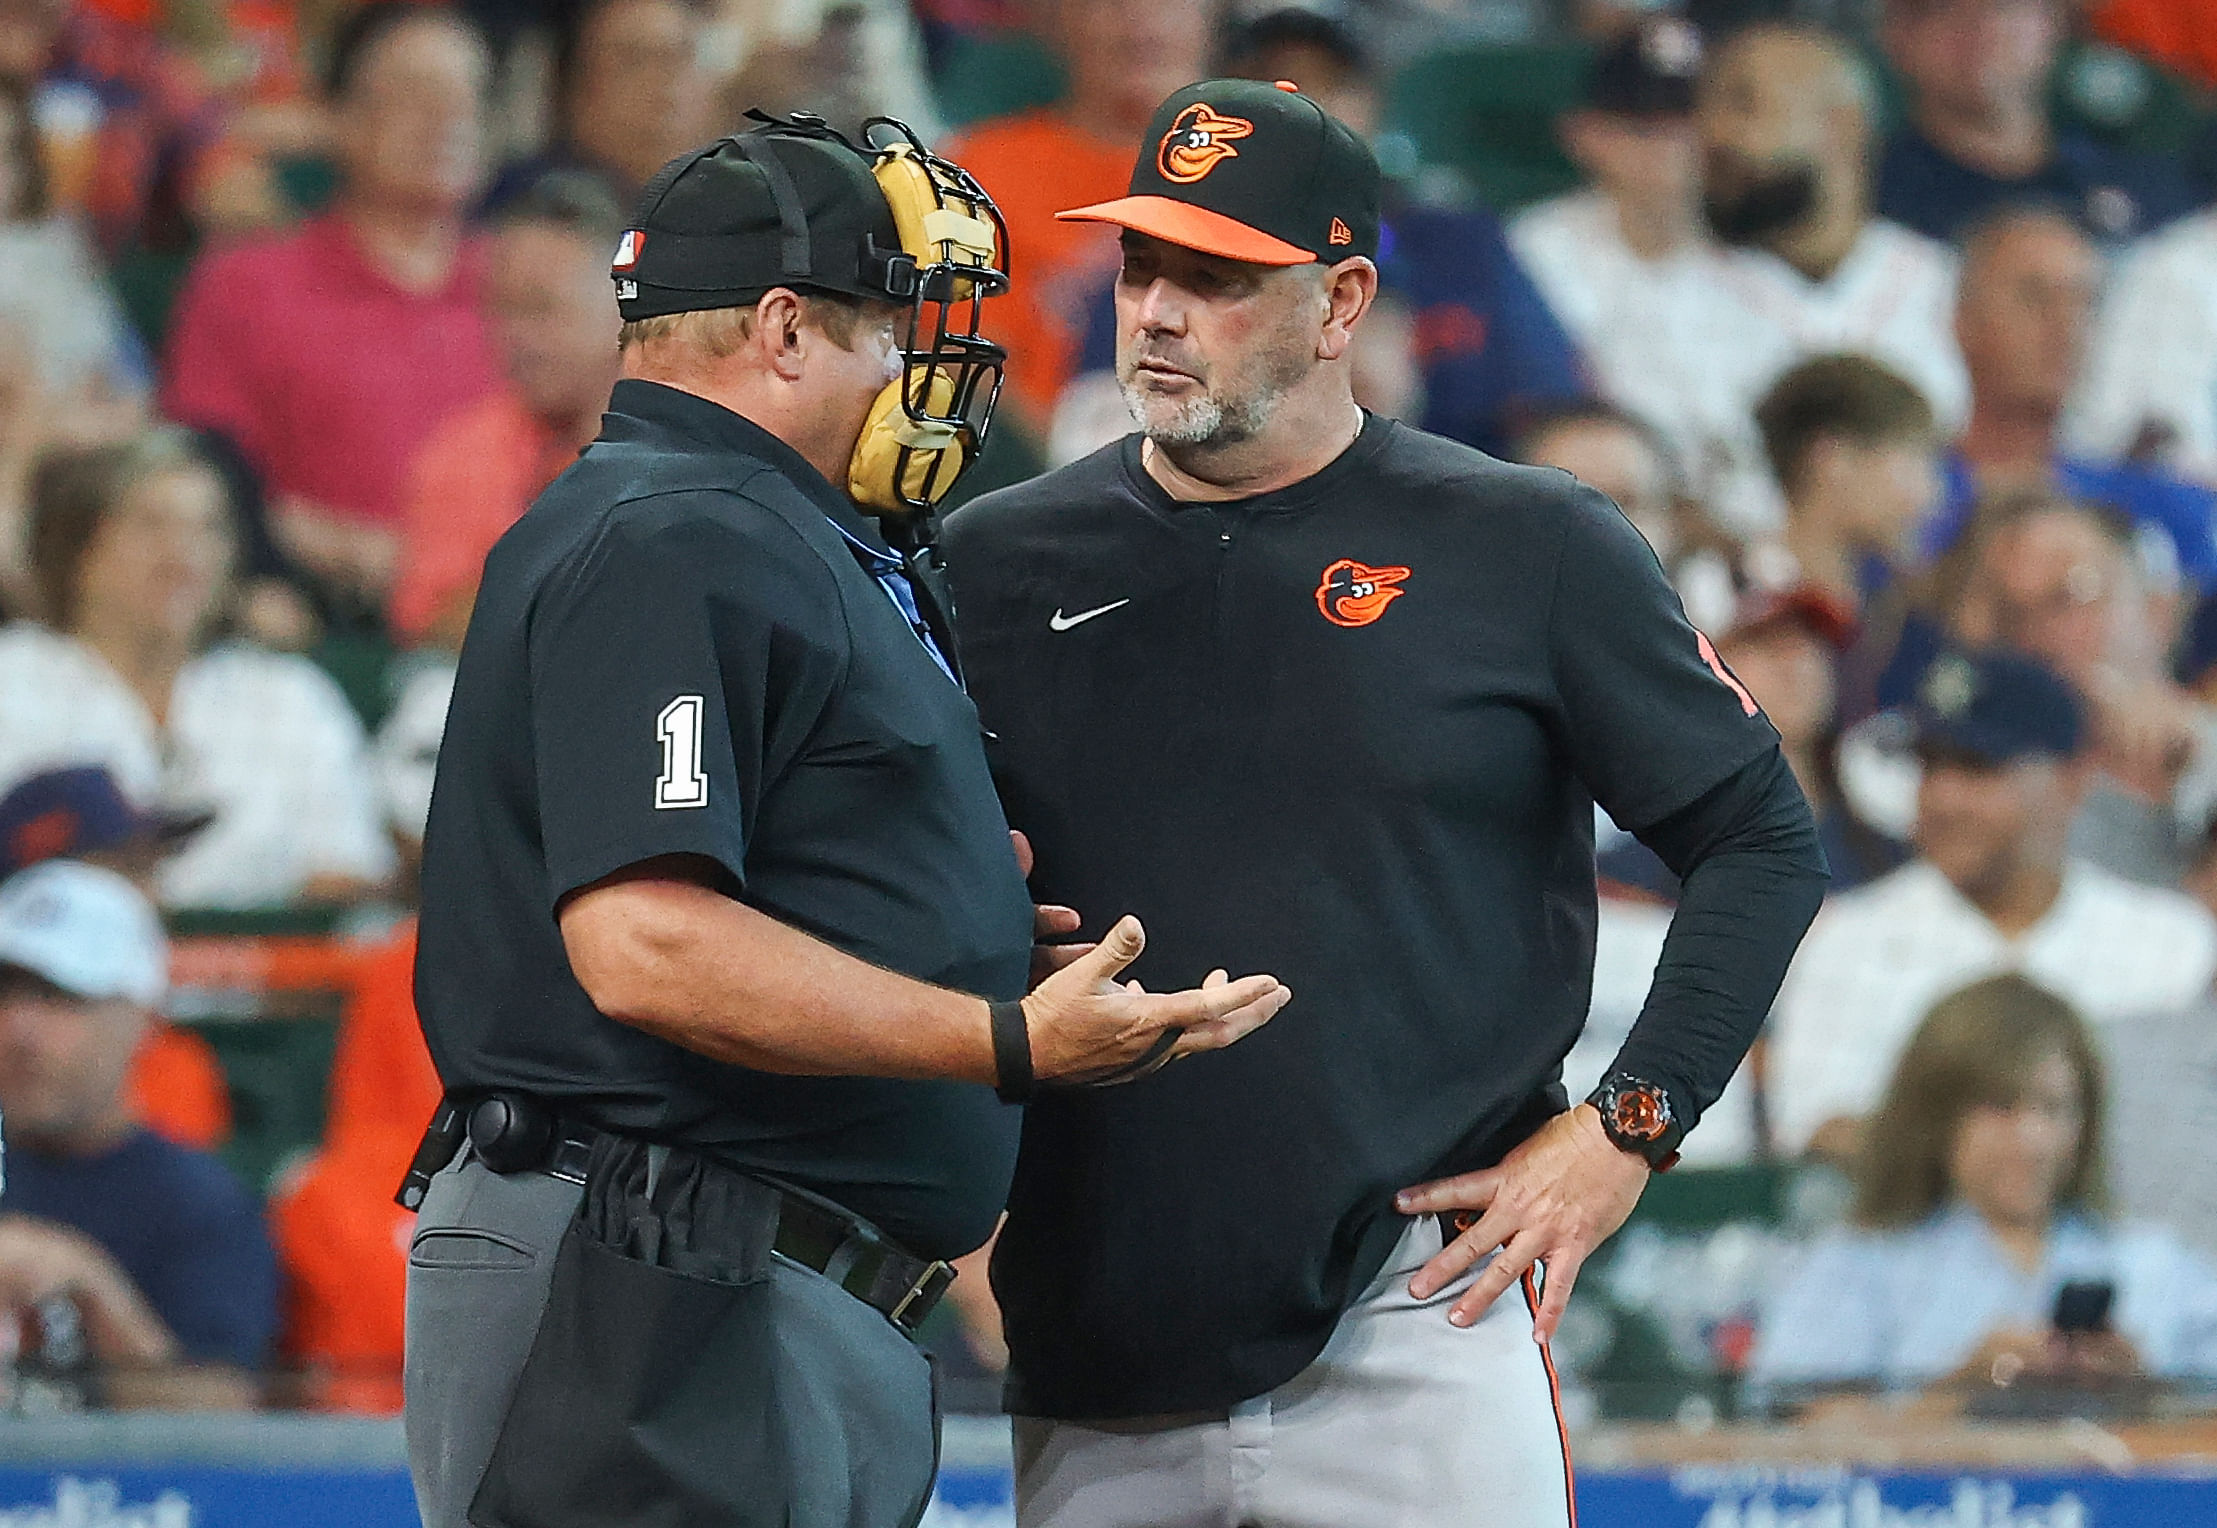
[(1907, 373)]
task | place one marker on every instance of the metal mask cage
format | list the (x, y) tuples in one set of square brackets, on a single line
[(946, 312)]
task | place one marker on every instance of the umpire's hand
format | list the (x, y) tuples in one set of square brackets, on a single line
[(1552, 1200), (1085, 1024)]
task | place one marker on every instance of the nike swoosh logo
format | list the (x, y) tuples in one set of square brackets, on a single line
[(1060, 622)]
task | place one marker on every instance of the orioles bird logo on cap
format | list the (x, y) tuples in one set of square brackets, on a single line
[(1198, 141)]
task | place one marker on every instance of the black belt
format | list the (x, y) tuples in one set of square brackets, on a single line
[(844, 1248)]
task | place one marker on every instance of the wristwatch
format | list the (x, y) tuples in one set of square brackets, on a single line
[(1638, 1117)]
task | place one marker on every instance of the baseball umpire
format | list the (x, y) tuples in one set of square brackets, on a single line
[(1353, 691), (725, 942)]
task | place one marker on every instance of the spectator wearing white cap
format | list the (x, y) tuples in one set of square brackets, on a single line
[(156, 1248)]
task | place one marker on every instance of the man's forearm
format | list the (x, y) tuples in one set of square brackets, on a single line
[(718, 978), (1753, 876)]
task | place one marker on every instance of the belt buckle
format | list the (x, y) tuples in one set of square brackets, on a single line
[(568, 1159), (929, 1286)]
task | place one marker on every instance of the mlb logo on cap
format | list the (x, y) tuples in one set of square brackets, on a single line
[(627, 250)]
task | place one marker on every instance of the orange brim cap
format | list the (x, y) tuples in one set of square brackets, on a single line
[(1182, 223)]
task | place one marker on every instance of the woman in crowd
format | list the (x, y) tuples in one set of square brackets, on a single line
[(1978, 1199), (133, 550)]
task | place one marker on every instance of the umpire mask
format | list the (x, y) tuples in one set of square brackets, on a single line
[(794, 203)]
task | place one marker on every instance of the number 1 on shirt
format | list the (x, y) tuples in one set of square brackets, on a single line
[(679, 727)]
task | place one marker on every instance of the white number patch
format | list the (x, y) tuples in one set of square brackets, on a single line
[(679, 727)]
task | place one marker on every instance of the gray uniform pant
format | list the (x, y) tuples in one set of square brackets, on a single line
[(1403, 1421), (479, 1270)]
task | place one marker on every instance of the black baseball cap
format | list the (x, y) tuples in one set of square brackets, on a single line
[(1995, 707), (1648, 72), (721, 225), (1250, 171)]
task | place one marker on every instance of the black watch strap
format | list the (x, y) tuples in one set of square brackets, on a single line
[(1639, 1118), (1012, 1053)]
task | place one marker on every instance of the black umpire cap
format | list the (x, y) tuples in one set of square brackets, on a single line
[(1250, 171), (775, 206)]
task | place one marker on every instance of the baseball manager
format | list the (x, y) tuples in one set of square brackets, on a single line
[(725, 943), (1353, 691)]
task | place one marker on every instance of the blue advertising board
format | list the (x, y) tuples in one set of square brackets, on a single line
[(237, 1485)]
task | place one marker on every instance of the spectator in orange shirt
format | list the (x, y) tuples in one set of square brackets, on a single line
[(1122, 58), (341, 1240), (554, 323)]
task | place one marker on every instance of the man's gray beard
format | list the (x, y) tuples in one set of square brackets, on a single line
[(1204, 421)]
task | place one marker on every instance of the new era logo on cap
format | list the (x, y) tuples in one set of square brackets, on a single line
[(627, 250), (1339, 234)]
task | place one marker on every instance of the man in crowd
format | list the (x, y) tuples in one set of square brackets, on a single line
[(2024, 319), (1121, 59), (328, 354), (156, 1247), (2148, 392), (1854, 449), (1491, 353), (632, 91), (1626, 262), (1786, 118), (546, 282), (2004, 748), (1979, 133)]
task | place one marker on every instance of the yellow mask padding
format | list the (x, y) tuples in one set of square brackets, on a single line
[(877, 454)]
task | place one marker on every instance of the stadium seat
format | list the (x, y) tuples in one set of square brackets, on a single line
[(1489, 114)]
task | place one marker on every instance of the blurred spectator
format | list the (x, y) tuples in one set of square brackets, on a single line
[(2163, 1080), (158, 1248), (845, 60), (2024, 319), (1982, 1183), (546, 282), (132, 138), (2002, 744), (1855, 450), (1628, 264), (632, 92), (175, 1086), (1122, 59), (1785, 119), (133, 549), (2065, 584), (342, 1241), (2148, 393), (1492, 355), (52, 287), (1979, 135), (328, 354)]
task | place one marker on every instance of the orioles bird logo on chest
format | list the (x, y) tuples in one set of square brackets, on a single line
[(1198, 141), (1354, 593)]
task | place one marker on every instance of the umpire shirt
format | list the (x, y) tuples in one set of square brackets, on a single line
[(678, 651), (1352, 733)]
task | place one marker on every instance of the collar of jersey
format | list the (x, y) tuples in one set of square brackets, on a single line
[(702, 422), (1291, 499)]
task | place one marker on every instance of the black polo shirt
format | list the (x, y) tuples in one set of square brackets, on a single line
[(1350, 733), (676, 651)]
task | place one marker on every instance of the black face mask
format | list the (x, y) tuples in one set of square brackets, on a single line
[(1763, 208)]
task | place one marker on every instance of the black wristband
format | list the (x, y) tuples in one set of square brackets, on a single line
[(1012, 1052)]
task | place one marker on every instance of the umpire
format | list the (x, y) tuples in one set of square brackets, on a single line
[(1383, 680), (725, 943)]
